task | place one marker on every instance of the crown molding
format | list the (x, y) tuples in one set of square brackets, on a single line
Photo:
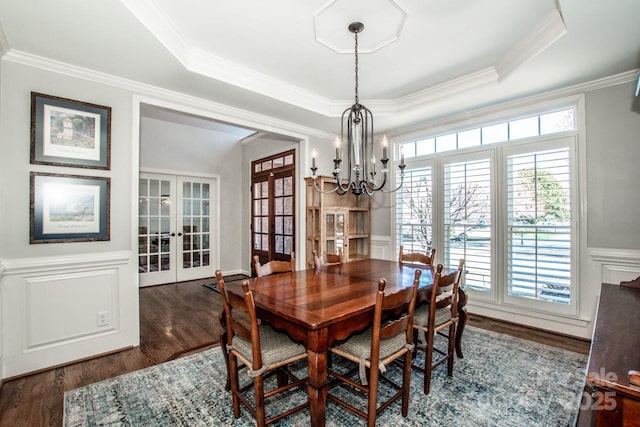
[(219, 111), (449, 88), (543, 36), (520, 103)]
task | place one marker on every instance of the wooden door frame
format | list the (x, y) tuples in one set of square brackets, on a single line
[(271, 175)]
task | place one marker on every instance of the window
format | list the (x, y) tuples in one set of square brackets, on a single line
[(501, 195), (467, 220), (414, 210), (527, 127)]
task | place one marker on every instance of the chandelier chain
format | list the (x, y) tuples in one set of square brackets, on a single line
[(356, 50)]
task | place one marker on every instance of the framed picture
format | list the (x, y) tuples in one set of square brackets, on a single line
[(65, 132), (69, 208)]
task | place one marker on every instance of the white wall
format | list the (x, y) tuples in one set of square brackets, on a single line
[(51, 293), (613, 168)]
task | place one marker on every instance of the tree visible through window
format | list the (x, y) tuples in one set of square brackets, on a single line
[(539, 228)]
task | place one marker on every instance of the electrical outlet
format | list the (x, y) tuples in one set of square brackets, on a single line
[(103, 318)]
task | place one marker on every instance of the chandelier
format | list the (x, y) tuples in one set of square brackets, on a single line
[(357, 126)]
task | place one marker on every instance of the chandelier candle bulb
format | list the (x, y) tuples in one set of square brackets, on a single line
[(313, 158), (337, 148), (385, 142)]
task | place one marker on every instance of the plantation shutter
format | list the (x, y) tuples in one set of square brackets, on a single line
[(414, 210), (539, 225), (467, 220)]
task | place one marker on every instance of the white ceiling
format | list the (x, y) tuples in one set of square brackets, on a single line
[(419, 59)]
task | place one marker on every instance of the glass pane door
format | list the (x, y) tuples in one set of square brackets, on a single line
[(195, 224), (283, 215), (176, 229), (156, 213), (273, 207)]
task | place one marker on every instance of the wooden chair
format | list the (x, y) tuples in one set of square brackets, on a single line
[(389, 338), (635, 283), (325, 260), (272, 267), (431, 318), (416, 257), (260, 349)]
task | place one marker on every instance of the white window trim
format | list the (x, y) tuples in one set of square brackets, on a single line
[(526, 315), (548, 143)]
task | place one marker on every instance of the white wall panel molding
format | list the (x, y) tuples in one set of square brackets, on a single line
[(27, 266), (616, 256), (381, 247), (59, 309), (617, 264), (48, 320)]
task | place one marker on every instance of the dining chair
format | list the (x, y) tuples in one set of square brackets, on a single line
[(272, 267), (416, 257), (262, 351), (388, 339), (635, 283), (434, 316), (325, 260)]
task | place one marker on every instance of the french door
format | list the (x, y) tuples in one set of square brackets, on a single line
[(273, 207), (176, 239)]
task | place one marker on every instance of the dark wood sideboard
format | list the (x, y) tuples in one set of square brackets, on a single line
[(610, 399)]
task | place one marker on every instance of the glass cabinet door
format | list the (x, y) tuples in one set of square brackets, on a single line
[(335, 231)]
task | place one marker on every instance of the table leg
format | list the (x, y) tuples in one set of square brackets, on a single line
[(318, 387), (462, 321)]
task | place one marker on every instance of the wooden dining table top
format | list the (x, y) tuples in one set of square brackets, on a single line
[(315, 300)]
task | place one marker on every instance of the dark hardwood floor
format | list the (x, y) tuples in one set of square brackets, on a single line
[(175, 319)]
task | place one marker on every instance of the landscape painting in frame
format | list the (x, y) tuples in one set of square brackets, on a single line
[(66, 132), (68, 208)]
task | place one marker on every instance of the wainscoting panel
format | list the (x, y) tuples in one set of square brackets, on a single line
[(381, 247), (617, 265), (56, 310), (48, 299)]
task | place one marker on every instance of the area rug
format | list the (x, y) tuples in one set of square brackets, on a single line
[(234, 278), (502, 380)]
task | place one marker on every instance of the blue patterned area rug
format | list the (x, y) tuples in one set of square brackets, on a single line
[(502, 381)]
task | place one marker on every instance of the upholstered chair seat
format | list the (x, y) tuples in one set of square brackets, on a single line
[(275, 348)]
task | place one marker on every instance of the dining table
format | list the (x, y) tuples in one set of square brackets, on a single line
[(318, 308)]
